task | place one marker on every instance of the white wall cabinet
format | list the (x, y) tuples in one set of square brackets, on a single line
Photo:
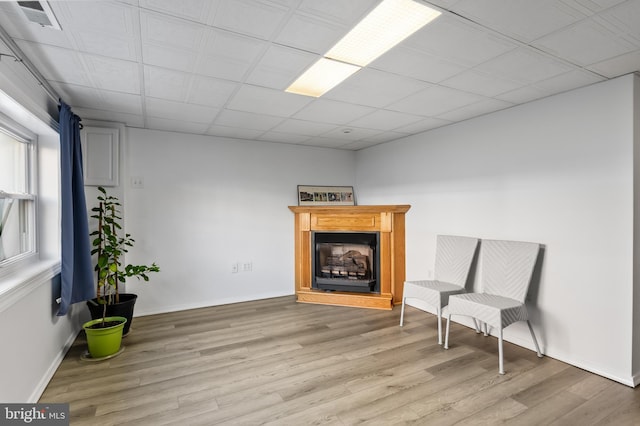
[(100, 152)]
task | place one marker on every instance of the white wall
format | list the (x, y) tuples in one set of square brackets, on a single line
[(34, 341), (209, 202), (559, 172)]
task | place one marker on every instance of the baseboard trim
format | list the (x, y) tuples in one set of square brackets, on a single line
[(206, 304), (53, 367)]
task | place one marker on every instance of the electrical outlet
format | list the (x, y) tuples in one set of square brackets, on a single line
[(234, 268), (247, 266), (137, 182)]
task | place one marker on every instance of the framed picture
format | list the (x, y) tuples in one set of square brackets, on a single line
[(310, 195)]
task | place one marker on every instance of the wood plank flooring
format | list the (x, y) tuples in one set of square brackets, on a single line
[(279, 362)]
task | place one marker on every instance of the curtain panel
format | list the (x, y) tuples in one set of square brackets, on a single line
[(77, 273)]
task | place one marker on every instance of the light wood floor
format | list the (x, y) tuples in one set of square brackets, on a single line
[(276, 361)]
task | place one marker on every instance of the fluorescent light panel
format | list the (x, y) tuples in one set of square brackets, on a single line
[(384, 27), (387, 25), (323, 76)]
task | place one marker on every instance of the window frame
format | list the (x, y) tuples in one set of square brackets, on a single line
[(23, 135)]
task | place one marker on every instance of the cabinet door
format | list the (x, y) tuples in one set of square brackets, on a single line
[(100, 155)]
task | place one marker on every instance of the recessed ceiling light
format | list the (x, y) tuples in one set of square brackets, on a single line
[(322, 77), (384, 27)]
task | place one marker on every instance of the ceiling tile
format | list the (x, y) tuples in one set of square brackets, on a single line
[(384, 137), (229, 56), (114, 74), (77, 96), (585, 43), (68, 68), (345, 13), (121, 102), (523, 95), (473, 110), (328, 111), (423, 125), (162, 108), (481, 83), (127, 119), (262, 122), (351, 133), (625, 17), (620, 65), (98, 16), (525, 65), (417, 64), (211, 91), (445, 4), (169, 57), (301, 127), (280, 66), (525, 20), (310, 33), (435, 101), (166, 31), (323, 142), (568, 81), (111, 45), (165, 84), (592, 5), (234, 132), (460, 42), (272, 136), (194, 10), (386, 120), (375, 88), (252, 17), (258, 99), (180, 125)]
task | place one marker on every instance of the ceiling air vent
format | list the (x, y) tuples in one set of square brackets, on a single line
[(39, 12)]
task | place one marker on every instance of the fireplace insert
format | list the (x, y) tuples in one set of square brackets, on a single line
[(346, 261)]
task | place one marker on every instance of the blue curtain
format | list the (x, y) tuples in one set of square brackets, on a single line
[(77, 272)]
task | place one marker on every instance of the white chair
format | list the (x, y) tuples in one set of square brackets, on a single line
[(506, 268), (454, 256)]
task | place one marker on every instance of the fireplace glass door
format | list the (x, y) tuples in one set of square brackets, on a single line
[(346, 261)]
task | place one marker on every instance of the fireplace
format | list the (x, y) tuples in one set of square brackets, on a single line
[(359, 273), (346, 261)]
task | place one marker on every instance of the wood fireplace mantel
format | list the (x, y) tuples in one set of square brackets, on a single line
[(387, 220)]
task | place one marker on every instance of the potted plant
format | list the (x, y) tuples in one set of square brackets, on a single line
[(109, 247)]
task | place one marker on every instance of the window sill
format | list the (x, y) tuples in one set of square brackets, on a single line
[(18, 284)]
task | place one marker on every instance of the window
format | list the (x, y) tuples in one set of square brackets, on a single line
[(17, 195)]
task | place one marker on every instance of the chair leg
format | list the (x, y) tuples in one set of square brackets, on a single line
[(486, 329), (439, 315), (500, 353), (446, 336), (535, 341), (475, 322)]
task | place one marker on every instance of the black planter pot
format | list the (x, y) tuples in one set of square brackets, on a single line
[(122, 309)]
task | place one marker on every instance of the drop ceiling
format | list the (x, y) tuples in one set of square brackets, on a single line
[(220, 67)]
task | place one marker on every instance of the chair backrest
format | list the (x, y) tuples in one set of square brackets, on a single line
[(507, 267), (454, 256)]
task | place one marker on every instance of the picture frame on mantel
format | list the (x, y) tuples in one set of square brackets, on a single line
[(314, 195)]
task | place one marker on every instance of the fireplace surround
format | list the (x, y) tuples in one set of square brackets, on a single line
[(386, 222)]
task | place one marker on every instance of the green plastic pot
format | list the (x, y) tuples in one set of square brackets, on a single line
[(104, 342)]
